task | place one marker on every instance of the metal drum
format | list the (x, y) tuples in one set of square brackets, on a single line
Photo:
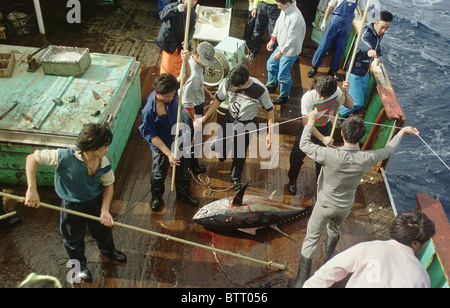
[(214, 75)]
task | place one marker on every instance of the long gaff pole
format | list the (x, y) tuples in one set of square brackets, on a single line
[(352, 62), (7, 215), (165, 236), (183, 71)]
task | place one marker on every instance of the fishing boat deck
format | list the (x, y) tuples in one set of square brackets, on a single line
[(36, 245)]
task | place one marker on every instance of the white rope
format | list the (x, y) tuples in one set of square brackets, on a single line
[(443, 162), (301, 117)]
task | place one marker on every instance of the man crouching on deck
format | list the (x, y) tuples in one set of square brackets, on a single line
[(84, 181)]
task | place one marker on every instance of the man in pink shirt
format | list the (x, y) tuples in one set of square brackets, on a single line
[(382, 264)]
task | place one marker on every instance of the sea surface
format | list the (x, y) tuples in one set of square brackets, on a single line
[(417, 57)]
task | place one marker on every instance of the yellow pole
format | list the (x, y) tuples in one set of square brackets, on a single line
[(352, 62), (167, 237), (7, 215), (183, 71)]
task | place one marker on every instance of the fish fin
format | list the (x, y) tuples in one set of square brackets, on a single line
[(239, 196), (272, 194), (275, 227), (251, 231)]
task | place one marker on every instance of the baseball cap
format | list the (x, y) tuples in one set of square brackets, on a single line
[(206, 53)]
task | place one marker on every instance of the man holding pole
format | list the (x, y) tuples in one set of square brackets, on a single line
[(323, 95), (84, 181), (369, 50), (159, 117), (172, 33), (342, 171), (195, 93)]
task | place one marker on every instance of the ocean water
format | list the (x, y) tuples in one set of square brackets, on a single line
[(417, 57)]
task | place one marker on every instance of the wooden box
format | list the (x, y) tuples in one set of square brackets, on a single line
[(7, 63)]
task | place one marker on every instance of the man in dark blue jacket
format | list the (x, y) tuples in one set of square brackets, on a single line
[(162, 4), (369, 50), (171, 35)]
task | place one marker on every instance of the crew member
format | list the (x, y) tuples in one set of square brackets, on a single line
[(342, 171), (195, 93), (338, 31), (91, 192), (245, 94), (171, 35)]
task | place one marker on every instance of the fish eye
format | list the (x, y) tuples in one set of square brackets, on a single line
[(204, 212)]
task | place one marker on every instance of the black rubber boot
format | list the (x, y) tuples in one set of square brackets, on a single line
[(328, 248), (304, 272), (292, 187), (312, 72)]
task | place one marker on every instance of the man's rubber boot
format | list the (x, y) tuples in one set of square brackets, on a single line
[(304, 272)]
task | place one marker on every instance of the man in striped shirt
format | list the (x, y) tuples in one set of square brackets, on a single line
[(323, 94)]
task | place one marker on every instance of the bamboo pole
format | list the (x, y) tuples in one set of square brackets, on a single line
[(183, 72), (352, 62), (165, 236), (7, 215)]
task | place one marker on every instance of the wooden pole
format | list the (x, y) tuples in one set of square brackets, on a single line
[(352, 62), (183, 72), (167, 237), (7, 215)]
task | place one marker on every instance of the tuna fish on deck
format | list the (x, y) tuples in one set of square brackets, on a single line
[(246, 213)]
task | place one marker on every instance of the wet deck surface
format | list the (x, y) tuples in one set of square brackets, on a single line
[(36, 245)]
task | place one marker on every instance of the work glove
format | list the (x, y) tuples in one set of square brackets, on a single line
[(180, 8), (323, 26)]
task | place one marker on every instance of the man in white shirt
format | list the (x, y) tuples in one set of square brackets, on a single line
[(382, 264), (194, 95), (289, 33)]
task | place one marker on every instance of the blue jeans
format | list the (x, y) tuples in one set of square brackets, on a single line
[(280, 71), (358, 91)]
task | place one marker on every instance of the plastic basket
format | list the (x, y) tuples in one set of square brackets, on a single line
[(22, 24)]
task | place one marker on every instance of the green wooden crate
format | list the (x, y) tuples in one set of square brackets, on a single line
[(114, 78)]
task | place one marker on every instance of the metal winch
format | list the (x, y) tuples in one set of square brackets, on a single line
[(230, 53)]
